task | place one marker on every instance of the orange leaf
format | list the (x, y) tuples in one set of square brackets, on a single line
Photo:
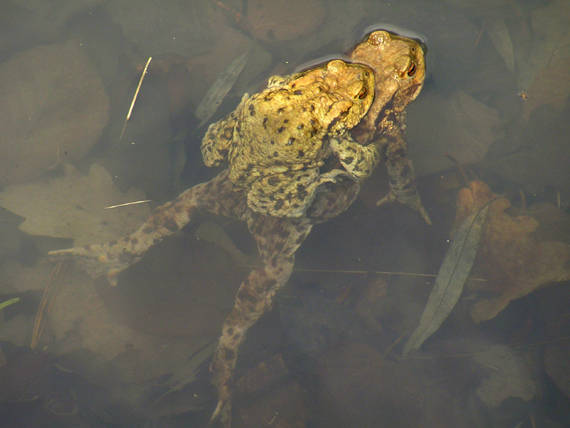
[(511, 255)]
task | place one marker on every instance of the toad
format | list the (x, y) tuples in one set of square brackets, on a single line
[(277, 237), (276, 141), (399, 68)]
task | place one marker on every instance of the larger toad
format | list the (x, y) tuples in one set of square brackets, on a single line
[(276, 140), (277, 238)]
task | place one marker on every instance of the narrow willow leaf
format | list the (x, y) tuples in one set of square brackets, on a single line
[(220, 89), (451, 278), (9, 302)]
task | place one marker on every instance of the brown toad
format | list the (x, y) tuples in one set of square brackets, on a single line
[(277, 238), (399, 70), (276, 140)]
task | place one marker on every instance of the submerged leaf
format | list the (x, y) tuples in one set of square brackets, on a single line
[(501, 39), (451, 278), (510, 375), (72, 206), (218, 91), (470, 128), (544, 72), (513, 254)]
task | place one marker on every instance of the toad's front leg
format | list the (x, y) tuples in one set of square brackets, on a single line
[(277, 239), (402, 178), (358, 160), (217, 195)]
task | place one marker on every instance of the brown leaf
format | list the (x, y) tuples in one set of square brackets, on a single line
[(511, 255), (551, 85), (544, 72)]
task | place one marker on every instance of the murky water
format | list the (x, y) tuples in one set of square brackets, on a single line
[(493, 112)]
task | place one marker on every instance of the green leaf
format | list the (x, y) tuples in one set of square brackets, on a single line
[(9, 302), (451, 278)]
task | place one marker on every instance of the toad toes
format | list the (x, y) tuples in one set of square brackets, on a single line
[(276, 141)]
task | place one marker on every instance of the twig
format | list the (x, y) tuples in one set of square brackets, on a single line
[(486, 349), (523, 200), (367, 272), (38, 320), (479, 34), (135, 97), (459, 167), (126, 204), (392, 346)]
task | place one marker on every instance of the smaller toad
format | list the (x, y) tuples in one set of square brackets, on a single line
[(276, 141), (399, 70)]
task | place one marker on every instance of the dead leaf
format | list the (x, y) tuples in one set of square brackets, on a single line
[(72, 206), (53, 107), (451, 278), (510, 375), (501, 39), (552, 83), (458, 125), (511, 255), (544, 73)]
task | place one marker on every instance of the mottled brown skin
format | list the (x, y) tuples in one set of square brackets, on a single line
[(277, 140), (277, 238), (399, 71)]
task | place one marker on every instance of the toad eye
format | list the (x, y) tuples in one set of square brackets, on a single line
[(362, 94), (411, 69)]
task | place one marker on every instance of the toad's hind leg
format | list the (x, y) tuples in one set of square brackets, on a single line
[(217, 195), (277, 239)]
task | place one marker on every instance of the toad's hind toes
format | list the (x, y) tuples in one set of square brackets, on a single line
[(93, 259)]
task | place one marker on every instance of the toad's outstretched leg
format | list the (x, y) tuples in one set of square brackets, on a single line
[(277, 240), (218, 196)]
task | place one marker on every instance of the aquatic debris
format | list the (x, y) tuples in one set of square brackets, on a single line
[(543, 72), (145, 70), (501, 39), (218, 91), (9, 302), (451, 278), (71, 206), (53, 109), (127, 204), (510, 375)]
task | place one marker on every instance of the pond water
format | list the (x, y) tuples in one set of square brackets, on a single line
[(488, 134)]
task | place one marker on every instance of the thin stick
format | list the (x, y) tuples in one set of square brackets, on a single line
[(378, 272), (135, 97), (126, 204), (38, 320), (523, 200), (368, 272), (459, 168)]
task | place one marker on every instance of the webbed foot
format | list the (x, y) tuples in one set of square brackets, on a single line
[(412, 201), (97, 260), (222, 414)]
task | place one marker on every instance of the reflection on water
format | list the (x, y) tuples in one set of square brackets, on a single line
[(488, 128)]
